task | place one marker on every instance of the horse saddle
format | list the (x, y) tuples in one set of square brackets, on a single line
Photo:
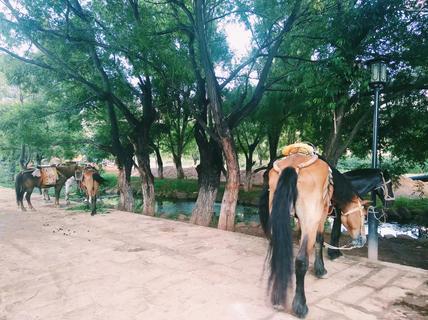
[(299, 147), (48, 175)]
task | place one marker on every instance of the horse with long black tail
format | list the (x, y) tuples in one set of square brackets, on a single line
[(90, 182), (301, 185), (362, 181)]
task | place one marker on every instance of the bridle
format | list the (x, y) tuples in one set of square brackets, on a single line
[(384, 188), (359, 209)]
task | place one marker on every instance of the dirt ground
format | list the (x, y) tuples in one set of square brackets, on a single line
[(61, 264), (407, 252)]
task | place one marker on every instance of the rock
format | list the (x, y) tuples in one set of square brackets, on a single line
[(389, 236), (254, 224), (405, 236), (406, 187), (181, 195), (182, 217), (240, 225)]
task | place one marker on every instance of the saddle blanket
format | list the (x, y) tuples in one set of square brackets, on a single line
[(48, 175)]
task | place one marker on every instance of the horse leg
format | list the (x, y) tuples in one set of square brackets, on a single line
[(88, 201), (335, 236), (46, 196), (301, 266), (21, 200), (320, 270), (94, 205), (28, 198), (57, 193)]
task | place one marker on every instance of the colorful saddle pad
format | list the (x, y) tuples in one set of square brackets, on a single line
[(49, 175)]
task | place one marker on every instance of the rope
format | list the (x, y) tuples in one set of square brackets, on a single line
[(345, 247), (372, 209)]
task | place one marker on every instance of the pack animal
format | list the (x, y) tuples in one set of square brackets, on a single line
[(302, 185), (27, 180), (90, 183)]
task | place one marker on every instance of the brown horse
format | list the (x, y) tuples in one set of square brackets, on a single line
[(90, 182), (301, 185), (26, 180)]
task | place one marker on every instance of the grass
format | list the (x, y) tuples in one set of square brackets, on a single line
[(411, 204), (413, 211), (6, 183), (101, 208)]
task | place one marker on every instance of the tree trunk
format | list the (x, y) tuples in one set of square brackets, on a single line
[(39, 158), (159, 161), (273, 140), (178, 166), (208, 181), (249, 171), (230, 196), (209, 170), (147, 179), (249, 163), (126, 197), (23, 157)]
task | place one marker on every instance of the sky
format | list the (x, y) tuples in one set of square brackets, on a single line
[(238, 39)]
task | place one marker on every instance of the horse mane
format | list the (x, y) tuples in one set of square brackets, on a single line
[(363, 172), (343, 192)]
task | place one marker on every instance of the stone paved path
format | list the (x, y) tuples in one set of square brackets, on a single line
[(59, 264)]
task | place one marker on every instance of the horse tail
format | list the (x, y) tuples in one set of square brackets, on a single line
[(97, 177), (281, 243), (18, 187), (264, 211)]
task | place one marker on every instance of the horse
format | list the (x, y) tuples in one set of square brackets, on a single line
[(90, 182), (363, 181), (26, 180), (68, 184), (302, 185)]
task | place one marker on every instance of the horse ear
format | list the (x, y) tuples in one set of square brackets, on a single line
[(366, 203)]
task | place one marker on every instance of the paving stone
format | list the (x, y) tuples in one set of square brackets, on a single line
[(410, 281), (347, 311), (390, 293), (381, 278), (355, 294), (128, 266)]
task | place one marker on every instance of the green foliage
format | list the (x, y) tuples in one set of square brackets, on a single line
[(54, 100)]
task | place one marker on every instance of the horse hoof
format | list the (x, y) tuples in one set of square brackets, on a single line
[(321, 274), (23, 209), (334, 254), (299, 309), (278, 307), (32, 209)]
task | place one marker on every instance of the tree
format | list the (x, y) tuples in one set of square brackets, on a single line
[(200, 19)]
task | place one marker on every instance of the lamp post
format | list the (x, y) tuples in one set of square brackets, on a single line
[(377, 82)]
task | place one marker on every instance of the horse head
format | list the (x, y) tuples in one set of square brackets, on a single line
[(353, 216)]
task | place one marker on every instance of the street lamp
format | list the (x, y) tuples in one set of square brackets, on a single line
[(377, 82)]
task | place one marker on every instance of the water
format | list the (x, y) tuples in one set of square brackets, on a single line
[(169, 208), (393, 229), (249, 214)]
